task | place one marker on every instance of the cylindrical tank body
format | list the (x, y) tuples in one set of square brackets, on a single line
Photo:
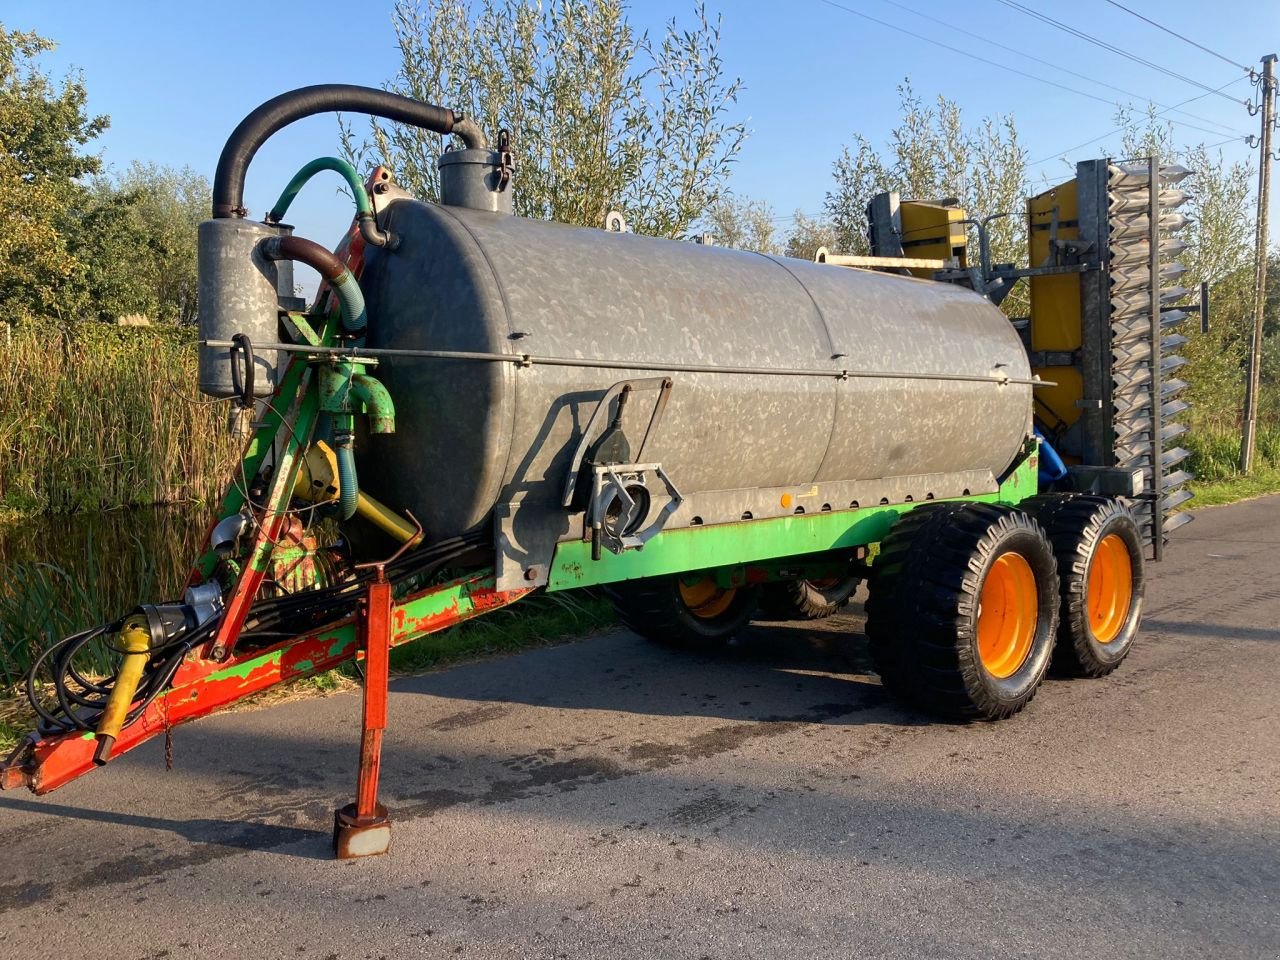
[(238, 294), (471, 434)]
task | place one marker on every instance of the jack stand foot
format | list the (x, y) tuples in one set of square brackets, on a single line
[(354, 836)]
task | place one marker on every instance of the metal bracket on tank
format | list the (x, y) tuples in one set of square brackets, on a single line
[(601, 413), (620, 502)]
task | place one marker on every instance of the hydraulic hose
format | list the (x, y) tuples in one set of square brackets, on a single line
[(1052, 468), (364, 209), (254, 130), (350, 299), (81, 702)]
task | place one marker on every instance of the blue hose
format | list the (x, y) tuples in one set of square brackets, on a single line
[(348, 489), (1052, 469)]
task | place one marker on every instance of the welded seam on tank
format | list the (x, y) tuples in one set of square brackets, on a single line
[(506, 309), (832, 350)]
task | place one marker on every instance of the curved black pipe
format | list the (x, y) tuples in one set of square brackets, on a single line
[(324, 262), (329, 266), (253, 131)]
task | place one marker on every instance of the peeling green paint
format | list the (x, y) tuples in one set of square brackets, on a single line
[(339, 646), (242, 670)]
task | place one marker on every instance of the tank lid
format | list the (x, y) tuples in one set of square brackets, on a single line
[(477, 179)]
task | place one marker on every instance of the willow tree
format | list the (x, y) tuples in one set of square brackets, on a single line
[(808, 234), (601, 116), (742, 223), (930, 154)]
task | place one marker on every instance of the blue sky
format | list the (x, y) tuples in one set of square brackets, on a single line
[(176, 77)]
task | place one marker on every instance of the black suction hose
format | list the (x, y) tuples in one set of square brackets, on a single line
[(254, 130)]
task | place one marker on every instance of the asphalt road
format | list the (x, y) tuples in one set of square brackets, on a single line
[(611, 799)]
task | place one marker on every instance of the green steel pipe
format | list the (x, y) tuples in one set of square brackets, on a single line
[(377, 401)]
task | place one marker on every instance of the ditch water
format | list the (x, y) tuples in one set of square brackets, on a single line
[(59, 574)]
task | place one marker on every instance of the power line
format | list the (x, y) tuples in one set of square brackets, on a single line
[(1054, 66), (1174, 33), (1210, 146), (999, 66), (1109, 133), (1111, 47)]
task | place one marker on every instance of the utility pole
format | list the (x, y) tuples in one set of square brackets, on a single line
[(1268, 111)]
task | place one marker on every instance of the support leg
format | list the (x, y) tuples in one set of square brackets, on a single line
[(363, 829)]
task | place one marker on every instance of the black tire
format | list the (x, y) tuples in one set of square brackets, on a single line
[(807, 599), (1092, 641), (925, 606), (657, 609)]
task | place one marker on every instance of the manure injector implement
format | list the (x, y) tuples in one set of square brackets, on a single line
[(480, 406)]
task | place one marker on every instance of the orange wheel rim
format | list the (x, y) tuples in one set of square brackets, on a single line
[(1008, 610), (1110, 591), (705, 598)]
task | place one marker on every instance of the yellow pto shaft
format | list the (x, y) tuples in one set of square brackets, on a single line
[(135, 642)]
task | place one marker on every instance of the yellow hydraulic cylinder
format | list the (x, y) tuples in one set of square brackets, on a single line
[(318, 482), (386, 519), (135, 642)]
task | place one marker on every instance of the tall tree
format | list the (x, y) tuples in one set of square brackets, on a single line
[(44, 128), (807, 234), (601, 117), (932, 155), (741, 223), (137, 238)]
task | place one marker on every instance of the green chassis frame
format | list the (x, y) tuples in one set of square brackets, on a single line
[(722, 547)]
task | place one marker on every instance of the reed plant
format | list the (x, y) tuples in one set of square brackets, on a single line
[(41, 604), (100, 417)]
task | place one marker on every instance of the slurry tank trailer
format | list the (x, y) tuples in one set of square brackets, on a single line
[(479, 407)]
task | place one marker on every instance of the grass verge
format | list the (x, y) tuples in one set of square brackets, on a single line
[(1215, 459), (1264, 480)]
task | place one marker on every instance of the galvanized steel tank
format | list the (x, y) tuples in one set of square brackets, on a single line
[(472, 434)]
